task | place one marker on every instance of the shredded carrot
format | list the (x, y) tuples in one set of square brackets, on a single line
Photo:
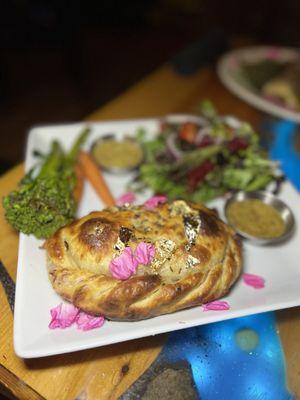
[(92, 172)]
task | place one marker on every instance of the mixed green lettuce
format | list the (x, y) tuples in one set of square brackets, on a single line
[(200, 161)]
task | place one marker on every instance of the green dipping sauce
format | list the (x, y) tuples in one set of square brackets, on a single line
[(256, 218), (119, 155)]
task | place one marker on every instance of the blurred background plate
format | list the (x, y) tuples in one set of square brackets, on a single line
[(230, 72)]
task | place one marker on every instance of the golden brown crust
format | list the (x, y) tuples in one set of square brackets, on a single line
[(197, 259)]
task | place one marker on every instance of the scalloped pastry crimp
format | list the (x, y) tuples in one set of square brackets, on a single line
[(197, 259)]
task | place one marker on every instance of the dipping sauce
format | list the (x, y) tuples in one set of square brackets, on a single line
[(117, 155), (256, 218)]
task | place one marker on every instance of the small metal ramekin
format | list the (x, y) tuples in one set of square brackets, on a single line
[(115, 170), (270, 199)]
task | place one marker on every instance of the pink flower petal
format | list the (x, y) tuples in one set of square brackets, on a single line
[(128, 197), (155, 201), (86, 322), (144, 253), (233, 63), (255, 281), (63, 316), (273, 53), (216, 306), (123, 266)]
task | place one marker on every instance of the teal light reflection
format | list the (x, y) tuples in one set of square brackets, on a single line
[(223, 370)]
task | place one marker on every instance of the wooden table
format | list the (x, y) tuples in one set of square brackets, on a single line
[(106, 372)]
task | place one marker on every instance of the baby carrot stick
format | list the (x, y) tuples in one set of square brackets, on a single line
[(77, 192), (94, 176)]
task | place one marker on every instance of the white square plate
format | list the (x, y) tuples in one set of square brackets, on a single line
[(279, 265)]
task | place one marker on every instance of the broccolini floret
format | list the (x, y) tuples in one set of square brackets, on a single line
[(44, 203)]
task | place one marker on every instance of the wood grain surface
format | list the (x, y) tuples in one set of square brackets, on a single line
[(106, 372)]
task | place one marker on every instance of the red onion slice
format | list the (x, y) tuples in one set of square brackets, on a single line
[(172, 147), (184, 118)]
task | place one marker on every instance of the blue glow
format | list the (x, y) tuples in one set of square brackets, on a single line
[(282, 148), (222, 370)]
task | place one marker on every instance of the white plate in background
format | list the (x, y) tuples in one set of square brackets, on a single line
[(229, 72)]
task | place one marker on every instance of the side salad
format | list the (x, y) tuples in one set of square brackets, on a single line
[(199, 158)]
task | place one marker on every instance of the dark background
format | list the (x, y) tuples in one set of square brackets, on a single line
[(60, 60)]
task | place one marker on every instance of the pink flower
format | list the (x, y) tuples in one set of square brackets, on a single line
[(273, 53), (87, 322), (128, 197), (123, 266), (216, 306), (144, 253), (63, 316), (255, 281), (155, 201), (233, 62)]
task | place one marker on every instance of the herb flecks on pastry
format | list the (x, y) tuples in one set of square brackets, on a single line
[(139, 262)]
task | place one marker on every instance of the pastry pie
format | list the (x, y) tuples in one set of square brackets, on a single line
[(135, 262)]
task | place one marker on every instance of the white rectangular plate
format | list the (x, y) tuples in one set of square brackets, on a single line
[(279, 265)]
